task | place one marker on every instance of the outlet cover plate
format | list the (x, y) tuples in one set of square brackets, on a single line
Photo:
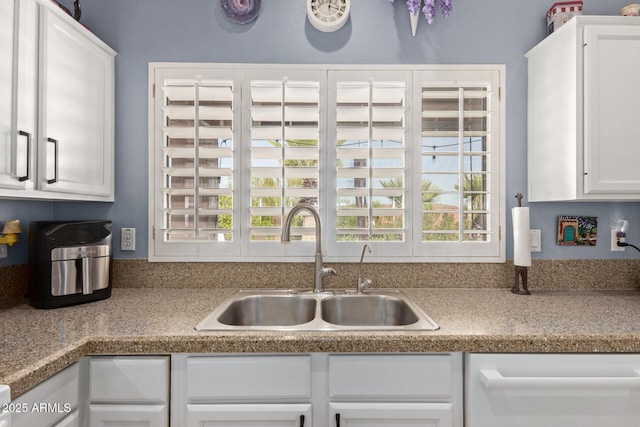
[(127, 239), (614, 242)]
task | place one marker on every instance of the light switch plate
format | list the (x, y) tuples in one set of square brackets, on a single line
[(536, 240)]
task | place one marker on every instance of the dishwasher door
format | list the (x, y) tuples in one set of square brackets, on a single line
[(552, 390)]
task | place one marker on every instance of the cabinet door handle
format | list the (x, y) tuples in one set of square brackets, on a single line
[(28, 135), (55, 160), (301, 420), (491, 378), (337, 420)]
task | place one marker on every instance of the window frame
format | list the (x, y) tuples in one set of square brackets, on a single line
[(242, 250)]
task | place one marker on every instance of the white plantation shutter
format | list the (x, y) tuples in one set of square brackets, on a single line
[(370, 156), (195, 162), (459, 163), (283, 112), (406, 158)]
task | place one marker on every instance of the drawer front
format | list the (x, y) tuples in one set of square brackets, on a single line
[(134, 379), (249, 415), (248, 378), (50, 401), (391, 414), (390, 377), (128, 416)]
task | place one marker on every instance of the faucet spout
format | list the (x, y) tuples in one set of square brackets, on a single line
[(320, 271), (363, 282)]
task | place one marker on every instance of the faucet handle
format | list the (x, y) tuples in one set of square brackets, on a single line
[(328, 271), (363, 283)]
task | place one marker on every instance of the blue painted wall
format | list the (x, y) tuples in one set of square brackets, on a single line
[(487, 31)]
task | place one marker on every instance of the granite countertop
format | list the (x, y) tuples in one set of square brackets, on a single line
[(35, 344)]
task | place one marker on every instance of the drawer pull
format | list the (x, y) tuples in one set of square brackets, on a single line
[(491, 378), (337, 420), (301, 420)]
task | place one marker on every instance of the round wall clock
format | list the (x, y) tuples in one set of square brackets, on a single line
[(240, 11), (328, 15)]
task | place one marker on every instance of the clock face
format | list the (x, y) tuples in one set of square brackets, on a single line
[(328, 15)]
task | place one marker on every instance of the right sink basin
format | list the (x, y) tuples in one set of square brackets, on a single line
[(367, 310)]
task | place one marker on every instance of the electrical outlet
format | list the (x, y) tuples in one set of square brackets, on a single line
[(127, 239), (3, 251), (614, 241)]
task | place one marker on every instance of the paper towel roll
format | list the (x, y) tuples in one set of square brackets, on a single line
[(521, 237)]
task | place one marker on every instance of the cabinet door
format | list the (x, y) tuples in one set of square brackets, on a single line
[(13, 158), (611, 109), (391, 414), (249, 415), (76, 79), (49, 402), (128, 416)]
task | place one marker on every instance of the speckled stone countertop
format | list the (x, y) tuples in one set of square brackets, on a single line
[(35, 344)]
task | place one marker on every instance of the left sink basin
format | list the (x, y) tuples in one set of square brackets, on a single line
[(278, 309)]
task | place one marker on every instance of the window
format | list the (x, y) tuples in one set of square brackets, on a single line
[(408, 159)]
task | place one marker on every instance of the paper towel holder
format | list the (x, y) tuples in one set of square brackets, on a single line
[(521, 272)]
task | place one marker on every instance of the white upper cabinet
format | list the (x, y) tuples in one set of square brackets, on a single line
[(59, 136), (583, 108), (11, 173)]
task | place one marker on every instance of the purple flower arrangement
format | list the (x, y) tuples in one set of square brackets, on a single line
[(429, 8)]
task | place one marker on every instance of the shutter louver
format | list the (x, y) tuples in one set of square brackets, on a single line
[(198, 160)]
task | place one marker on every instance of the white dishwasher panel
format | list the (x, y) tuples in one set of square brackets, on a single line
[(552, 390)]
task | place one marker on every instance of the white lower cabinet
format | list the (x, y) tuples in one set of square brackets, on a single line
[(246, 390), (552, 390), (322, 390), (53, 403), (128, 391), (338, 390), (411, 390)]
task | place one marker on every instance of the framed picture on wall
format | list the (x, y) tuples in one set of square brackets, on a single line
[(577, 230)]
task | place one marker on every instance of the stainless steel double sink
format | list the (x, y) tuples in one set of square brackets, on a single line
[(291, 310)]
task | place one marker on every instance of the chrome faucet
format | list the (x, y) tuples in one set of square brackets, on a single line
[(320, 271), (363, 282)]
